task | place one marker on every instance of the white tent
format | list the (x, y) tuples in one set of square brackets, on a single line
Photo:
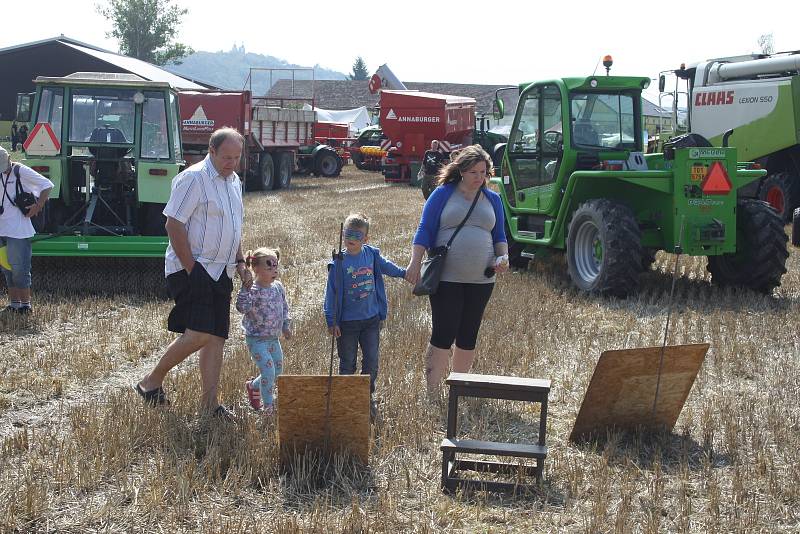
[(356, 118)]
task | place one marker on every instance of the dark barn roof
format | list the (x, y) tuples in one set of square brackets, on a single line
[(61, 56), (349, 94)]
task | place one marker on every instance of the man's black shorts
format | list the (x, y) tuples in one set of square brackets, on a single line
[(201, 304)]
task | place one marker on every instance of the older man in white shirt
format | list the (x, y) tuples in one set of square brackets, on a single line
[(16, 228), (204, 224)]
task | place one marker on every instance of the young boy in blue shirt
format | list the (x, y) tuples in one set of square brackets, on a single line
[(362, 305)]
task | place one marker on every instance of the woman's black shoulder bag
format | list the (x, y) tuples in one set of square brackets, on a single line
[(432, 267)]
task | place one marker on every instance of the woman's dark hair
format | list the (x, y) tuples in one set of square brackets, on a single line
[(460, 161)]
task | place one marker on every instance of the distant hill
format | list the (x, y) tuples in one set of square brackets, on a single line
[(229, 70)]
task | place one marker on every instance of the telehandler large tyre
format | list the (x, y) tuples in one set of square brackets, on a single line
[(760, 257), (327, 163), (604, 249)]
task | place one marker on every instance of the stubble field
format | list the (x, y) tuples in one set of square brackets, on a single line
[(80, 453)]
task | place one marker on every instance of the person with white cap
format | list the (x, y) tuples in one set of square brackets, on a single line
[(24, 194)]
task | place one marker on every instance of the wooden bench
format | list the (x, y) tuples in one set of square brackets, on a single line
[(491, 387)]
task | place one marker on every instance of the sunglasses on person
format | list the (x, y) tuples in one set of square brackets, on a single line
[(351, 234), (271, 263)]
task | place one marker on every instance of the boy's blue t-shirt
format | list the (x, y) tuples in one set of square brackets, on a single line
[(360, 300)]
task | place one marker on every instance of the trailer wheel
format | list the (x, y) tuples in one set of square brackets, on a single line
[(283, 164), (796, 227), (604, 249), (266, 172), (327, 163), (781, 191), (760, 257)]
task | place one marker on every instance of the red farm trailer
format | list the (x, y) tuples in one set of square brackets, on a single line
[(412, 119), (279, 139)]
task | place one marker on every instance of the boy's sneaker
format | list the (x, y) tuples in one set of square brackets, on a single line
[(24, 310), (253, 394), (269, 410)]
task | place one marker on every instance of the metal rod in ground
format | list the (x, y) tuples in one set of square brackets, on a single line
[(678, 252), (337, 268)]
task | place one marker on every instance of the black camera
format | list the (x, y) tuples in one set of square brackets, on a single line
[(24, 201)]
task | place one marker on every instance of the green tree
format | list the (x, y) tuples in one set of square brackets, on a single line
[(146, 29), (360, 71)]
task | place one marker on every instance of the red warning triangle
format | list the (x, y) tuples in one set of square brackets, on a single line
[(716, 181)]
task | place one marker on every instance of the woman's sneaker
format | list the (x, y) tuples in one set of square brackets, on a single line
[(253, 394)]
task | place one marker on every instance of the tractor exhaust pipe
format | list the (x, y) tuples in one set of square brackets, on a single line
[(725, 138)]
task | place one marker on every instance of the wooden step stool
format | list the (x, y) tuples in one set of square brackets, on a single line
[(491, 387)]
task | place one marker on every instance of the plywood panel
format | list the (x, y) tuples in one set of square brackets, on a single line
[(623, 387), (301, 414)]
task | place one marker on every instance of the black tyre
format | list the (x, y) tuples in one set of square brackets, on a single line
[(796, 227), (781, 191), (283, 167), (604, 249), (266, 172), (358, 159), (760, 257), (327, 164)]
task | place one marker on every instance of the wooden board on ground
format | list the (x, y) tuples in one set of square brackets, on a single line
[(623, 388), (301, 414)]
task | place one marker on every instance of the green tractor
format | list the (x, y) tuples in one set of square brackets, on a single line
[(574, 178), (110, 143)]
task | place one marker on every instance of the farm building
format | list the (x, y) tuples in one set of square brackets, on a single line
[(60, 56)]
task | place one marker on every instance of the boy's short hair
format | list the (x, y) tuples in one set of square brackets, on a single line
[(252, 257), (357, 220)]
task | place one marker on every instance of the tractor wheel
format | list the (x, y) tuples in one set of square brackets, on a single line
[(760, 257), (327, 164), (266, 173), (604, 249), (283, 166), (781, 191), (796, 227)]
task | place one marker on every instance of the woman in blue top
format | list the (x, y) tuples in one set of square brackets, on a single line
[(478, 252)]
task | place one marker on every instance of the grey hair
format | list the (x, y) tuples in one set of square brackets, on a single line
[(222, 135), (4, 159)]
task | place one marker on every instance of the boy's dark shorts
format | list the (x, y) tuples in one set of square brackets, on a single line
[(201, 304)]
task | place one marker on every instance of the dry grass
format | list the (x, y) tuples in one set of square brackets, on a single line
[(79, 453)]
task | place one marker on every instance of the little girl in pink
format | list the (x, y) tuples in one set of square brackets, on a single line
[(266, 316)]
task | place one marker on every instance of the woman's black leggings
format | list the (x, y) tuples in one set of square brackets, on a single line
[(457, 310)]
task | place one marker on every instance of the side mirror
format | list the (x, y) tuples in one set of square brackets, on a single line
[(498, 108), (661, 83)]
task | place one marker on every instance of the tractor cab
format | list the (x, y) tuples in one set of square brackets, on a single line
[(566, 125), (110, 144)]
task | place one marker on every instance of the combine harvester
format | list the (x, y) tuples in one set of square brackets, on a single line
[(574, 178), (756, 96)]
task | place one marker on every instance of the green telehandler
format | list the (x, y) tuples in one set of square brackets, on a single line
[(574, 178)]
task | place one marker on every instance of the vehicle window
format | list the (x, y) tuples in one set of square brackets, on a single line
[(176, 137), (525, 134), (155, 141), (602, 121), (102, 116), (51, 109)]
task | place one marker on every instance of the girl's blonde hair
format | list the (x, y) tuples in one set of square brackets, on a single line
[(253, 257), (460, 161)]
